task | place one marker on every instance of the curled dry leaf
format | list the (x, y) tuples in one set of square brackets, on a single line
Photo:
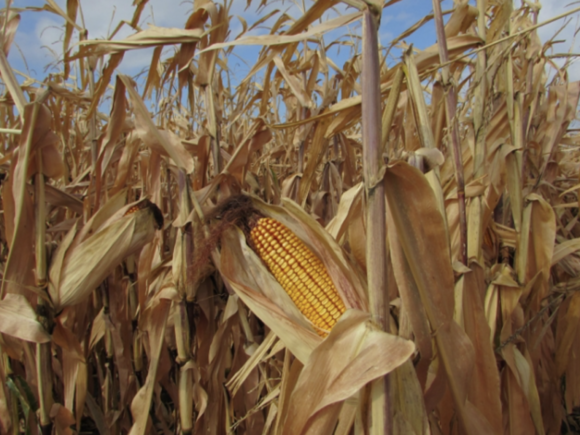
[(81, 267), (18, 319), (156, 321), (426, 283), (354, 354), (151, 37)]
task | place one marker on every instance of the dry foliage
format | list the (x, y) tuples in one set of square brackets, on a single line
[(127, 307)]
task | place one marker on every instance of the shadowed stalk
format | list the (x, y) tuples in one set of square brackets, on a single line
[(451, 103), (480, 96), (515, 159), (109, 389), (93, 139), (474, 229), (528, 98), (182, 327), (43, 310), (376, 248), (22, 188), (213, 129), (182, 341)]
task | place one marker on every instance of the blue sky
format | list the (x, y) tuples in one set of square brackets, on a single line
[(39, 35)]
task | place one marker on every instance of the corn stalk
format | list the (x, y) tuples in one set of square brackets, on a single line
[(376, 249)]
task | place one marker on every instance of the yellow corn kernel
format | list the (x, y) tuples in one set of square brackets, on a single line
[(300, 273)]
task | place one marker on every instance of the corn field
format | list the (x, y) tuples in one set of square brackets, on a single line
[(436, 197)]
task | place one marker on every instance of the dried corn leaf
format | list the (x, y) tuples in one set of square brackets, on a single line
[(354, 354), (141, 403), (18, 319), (289, 38), (86, 264), (152, 37), (410, 200), (164, 141)]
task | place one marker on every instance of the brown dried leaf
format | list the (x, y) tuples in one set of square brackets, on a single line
[(354, 354), (152, 37), (292, 35), (164, 141), (10, 25), (18, 319), (567, 332), (142, 400), (411, 200)]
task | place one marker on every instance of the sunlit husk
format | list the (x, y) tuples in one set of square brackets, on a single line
[(347, 282)]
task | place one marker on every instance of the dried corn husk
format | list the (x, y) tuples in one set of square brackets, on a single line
[(85, 258)]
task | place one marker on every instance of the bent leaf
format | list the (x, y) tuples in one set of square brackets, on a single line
[(18, 319)]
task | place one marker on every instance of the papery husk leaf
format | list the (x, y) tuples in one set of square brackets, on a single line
[(111, 208), (88, 263), (257, 287), (411, 200), (157, 322), (18, 319), (567, 332), (484, 388), (355, 353), (260, 291), (73, 366), (409, 413)]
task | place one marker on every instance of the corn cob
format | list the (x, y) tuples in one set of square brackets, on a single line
[(300, 273)]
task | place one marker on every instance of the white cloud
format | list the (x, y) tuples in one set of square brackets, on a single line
[(41, 32), (569, 43)]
